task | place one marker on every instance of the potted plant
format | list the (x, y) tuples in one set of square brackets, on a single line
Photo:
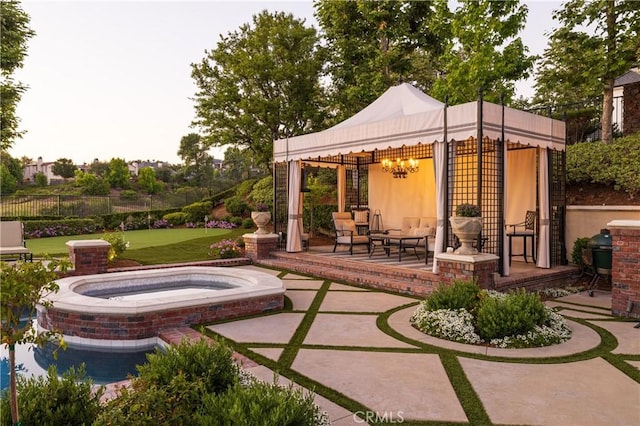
[(261, 216), (466, 225)]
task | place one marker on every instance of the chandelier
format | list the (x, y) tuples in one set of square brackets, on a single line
[(400, 168)]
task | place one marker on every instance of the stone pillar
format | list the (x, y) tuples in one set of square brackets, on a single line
[(88, 256), (479, 267), (259, 246), (625, 274)]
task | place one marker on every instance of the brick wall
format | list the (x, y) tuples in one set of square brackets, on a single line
[(631, 117), (625, 278), (468, 268), (146, 325), (260, 246), (88, 256)]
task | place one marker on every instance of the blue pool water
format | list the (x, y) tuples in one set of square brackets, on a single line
[(102, 366)]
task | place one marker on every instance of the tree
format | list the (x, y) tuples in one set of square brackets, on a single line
[(260, 84), (374, 44), (8, 183), (118, 175), (23, 287), (64, 167), (41, 179), (13, 165), (198, 164), (563, 76), (14, 27), (99, 168), (483, 50), (237, 164), (147, 180), (91, 184), (616, 38)]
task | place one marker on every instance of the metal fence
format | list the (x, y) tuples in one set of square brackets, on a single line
[(83, 205)]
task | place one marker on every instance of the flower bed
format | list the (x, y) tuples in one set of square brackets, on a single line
[(505, 320)]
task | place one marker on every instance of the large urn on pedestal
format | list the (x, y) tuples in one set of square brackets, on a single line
[(261, 219), (467, 229)]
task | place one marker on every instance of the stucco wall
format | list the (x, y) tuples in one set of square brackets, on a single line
[(587, 221)]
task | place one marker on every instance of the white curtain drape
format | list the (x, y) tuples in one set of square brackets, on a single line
[(342, 187), (440, 171), (294, 236), (544, 233)]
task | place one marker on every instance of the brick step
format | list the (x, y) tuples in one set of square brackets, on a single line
[(386, 277)]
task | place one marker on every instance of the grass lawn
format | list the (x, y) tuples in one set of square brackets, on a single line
[(144, 239)]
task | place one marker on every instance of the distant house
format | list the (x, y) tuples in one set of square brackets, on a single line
[(31, 170), (626, 93), (136, 166)]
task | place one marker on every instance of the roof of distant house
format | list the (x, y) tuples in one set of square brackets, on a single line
[(630, 77)]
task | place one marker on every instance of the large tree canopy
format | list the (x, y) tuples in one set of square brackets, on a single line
[(198, 164), (483, 50), (259, 84), (14, 34), (374, 44), (608, 53)]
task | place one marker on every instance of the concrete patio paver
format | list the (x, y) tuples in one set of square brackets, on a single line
[(389, 381), (414, 386), (277, 328), (301, 299), (628, 337), (343, 301), (302, 284), (350, 330), (591, 392)]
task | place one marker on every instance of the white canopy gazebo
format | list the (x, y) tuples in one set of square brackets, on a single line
[(520, 167)]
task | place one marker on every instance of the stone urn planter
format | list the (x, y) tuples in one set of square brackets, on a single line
[(261, 219), (466, 225)]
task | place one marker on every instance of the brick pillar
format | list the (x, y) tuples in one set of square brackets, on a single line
[(88, 256), (479, 267), (625, 274), (259, 246)]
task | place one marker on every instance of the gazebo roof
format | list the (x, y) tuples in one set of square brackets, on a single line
[(405, 116)]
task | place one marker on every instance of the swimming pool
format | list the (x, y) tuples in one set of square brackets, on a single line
[(129, 309)]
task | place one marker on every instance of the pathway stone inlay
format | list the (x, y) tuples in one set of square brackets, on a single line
[(412, 385), (301, 299), (365, 301), (276, 328), (591, 392), (628, 336), (350, 330)]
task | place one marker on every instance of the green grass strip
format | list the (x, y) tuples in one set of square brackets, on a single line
[(469, 399)]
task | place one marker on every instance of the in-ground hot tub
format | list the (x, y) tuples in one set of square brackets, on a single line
[(128, 309)]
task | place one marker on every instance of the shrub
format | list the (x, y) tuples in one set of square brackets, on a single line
[(516, 314), (576, 253), (128, 194), (225, 249), (177, 218), (236, 220), (118, 245), (616, 164), (41, 179), (197, 211), (459, 295), (262, 192), (171, 385), (53, 400), (236, 206), (57, 228), (261, 403), (467, 210), (247, 223), (221, 224), (245, 187)]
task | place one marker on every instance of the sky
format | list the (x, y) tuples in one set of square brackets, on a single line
[(112, 79)]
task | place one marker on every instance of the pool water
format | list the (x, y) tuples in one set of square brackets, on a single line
[(102, 366)]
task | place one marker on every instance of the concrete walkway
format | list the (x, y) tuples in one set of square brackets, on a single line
[(391, 372)]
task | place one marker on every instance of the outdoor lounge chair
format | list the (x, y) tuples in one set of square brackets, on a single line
[(361, 217), (346, 232), (525, 230), (12, 240)]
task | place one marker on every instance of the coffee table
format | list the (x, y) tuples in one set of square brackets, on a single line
[(386, 241)]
